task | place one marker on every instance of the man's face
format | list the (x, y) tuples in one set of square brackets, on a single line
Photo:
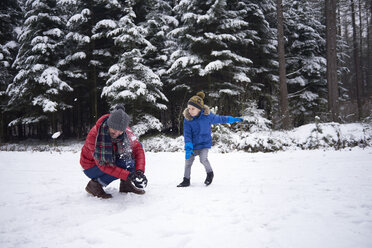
[(115, 133), (193, 110)]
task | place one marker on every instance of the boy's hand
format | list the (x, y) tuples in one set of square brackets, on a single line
[(231, 119), (188, 148)]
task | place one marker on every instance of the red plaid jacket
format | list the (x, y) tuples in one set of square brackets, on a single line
[(87, 160)]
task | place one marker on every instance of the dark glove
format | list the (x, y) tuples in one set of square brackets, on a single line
[(231, 119), (188, 148), (138, 179)]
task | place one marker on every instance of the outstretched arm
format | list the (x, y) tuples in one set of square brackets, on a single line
[(219, 119)]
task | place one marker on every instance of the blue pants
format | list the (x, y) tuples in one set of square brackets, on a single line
[(105, 179)]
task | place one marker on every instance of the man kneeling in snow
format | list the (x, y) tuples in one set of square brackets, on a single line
[(111, 151)]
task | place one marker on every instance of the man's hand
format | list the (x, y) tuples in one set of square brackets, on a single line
[(138, 179)]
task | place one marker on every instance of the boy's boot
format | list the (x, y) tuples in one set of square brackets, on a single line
[(95, 188), (127, 186), (185, 182), (209, 178)]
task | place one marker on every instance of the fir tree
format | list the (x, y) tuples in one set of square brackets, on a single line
[(89, 54), (212, 37), (130, 81), (263, 89), (306, 64), (159, 22), (37, 88), (10, 19)]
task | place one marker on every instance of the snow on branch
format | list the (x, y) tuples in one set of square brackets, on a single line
[(214, 66), (233, 56), (46, 104), (147, 122)]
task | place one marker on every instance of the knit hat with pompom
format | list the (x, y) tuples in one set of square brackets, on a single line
[(118, 119), (197, 101)]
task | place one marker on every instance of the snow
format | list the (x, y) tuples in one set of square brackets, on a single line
[(45, 103), (147, 122), (254, 135), (287, 199), (27, 120), (214, 66), (56, 135)]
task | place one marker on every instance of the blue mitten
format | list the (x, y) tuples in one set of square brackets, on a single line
[(188, 148), (231, 119)]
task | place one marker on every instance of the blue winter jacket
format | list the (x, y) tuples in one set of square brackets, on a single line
[(197, 130)]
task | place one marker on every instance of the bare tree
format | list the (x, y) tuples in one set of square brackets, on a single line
[(331, 35), (282, 71)]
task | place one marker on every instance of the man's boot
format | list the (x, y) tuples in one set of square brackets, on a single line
[(95, 188), (127, 187), (184, 183), (209, 178)]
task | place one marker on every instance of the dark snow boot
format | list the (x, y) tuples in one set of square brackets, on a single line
[(128, 187), (95, 188), (209, 178), (185, 182)]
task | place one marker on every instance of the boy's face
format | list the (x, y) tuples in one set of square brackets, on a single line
[(193, 110)]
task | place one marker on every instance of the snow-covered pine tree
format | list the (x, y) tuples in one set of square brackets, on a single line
[(89, 53), (261, 17), (159, 22), (212, 39), (130, 81), (37, 90), (306, 62), (10, 19)]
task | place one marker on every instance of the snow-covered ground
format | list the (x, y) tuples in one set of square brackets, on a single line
[(287, 199)]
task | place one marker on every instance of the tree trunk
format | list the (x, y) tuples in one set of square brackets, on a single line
[(94, 95), (369, 40), (282, 70), (93, 73), (358, 82), (363, 87), (331, 34), (2, 133)]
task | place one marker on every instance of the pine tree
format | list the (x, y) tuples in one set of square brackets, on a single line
[(89, 54), (10, 18), (159, 22), (37, 88), (261, 16), (306, 62), (212, 36), (130, 81)]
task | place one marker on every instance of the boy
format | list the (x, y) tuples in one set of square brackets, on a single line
[(197, 135)]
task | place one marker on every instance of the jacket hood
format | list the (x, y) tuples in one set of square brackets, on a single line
[(188, 117)]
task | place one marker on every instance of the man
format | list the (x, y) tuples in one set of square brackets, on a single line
[(110, 152)]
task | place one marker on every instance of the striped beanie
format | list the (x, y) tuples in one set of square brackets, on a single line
[(197, 101)]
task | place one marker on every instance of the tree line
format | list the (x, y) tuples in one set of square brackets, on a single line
[(64, 63)]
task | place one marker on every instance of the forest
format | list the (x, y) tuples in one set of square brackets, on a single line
[(65, 63)]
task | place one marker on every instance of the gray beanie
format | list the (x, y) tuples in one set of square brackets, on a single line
[(118, 119)]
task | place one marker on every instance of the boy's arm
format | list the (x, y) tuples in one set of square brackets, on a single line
[(219, 119), (187, 134)]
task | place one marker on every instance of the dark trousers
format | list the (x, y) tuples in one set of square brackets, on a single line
[(105, 179)]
